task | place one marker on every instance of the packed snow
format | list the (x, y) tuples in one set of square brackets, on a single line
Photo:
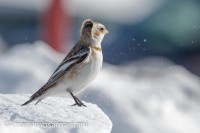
[(50, 114), (147, 96)]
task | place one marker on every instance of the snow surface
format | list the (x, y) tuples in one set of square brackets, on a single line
[(51, 112), (147, 96)]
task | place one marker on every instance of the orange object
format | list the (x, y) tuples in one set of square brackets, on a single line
[(56, 26)]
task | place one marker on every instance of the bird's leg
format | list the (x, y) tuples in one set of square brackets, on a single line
[(77, 101), (82, 104)]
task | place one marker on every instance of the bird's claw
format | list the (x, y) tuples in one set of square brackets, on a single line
[(79, 104)]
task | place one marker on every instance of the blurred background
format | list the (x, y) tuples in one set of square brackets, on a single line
[(153, 45), (168, 28)]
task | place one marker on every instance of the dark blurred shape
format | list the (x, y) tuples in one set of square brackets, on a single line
[(172, 32), (18, 25)]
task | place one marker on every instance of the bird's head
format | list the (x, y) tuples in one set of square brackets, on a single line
[(93, 32)]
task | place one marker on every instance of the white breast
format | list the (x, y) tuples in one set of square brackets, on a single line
[(89, 71)]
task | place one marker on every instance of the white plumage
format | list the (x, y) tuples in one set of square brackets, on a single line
[(79, 67)]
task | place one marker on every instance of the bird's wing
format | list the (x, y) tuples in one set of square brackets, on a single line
[(78, 56), (75, 56)]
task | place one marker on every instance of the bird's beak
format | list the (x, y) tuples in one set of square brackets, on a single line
[(106, 31)]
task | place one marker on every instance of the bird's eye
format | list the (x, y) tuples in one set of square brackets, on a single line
[(101, 29)]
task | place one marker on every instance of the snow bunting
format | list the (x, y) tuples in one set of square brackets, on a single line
[(78, 68)]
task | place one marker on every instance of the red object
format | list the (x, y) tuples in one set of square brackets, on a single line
[(56, 26)]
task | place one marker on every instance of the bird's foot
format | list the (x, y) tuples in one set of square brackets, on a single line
[(79, 104), (77, 101)]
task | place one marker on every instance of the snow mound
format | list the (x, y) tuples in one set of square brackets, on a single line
[(50, 113), (151, 95)]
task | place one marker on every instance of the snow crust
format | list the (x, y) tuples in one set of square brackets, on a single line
[(54, 114)]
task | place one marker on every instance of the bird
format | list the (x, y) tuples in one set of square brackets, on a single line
[(79, 68)]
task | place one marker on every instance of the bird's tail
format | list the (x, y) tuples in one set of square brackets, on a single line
[(27, 102), (36, 96)]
